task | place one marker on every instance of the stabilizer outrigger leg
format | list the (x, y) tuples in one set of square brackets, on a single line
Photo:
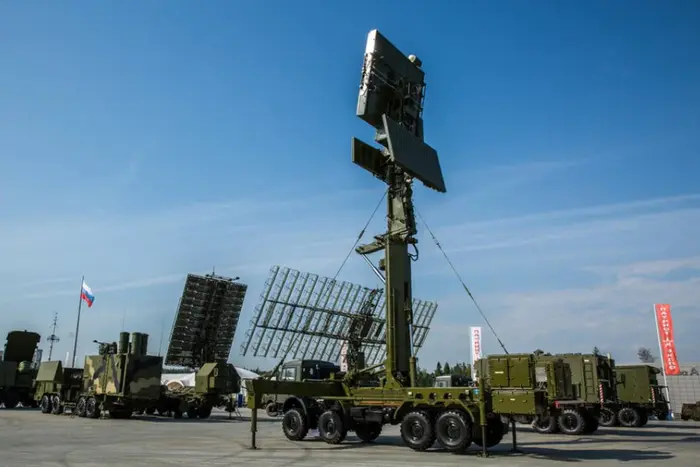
[(514, 448)]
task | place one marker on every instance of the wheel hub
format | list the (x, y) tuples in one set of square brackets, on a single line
[(416, 430)]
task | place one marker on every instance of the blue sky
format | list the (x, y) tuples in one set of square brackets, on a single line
[(140, 141)]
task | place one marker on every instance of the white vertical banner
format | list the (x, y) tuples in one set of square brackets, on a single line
[(475, 333), (344, 357)]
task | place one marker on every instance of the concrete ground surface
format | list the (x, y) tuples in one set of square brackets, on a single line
[(31, 439)]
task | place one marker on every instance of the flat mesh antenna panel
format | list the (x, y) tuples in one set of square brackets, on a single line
[(206, 320), (307, 316)]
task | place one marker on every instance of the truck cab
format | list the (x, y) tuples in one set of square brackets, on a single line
[(297, 370), (453, 381)]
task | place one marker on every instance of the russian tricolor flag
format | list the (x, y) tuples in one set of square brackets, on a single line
[(86, 294)]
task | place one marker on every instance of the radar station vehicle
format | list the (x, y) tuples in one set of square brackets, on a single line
[(17, 372), (391, 99), (639, 396)]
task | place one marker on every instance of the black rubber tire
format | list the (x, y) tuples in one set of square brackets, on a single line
[(645, 418), (45, 404), (573, 421), (494, 431), (368, 432), (192, 412), (629, 417), (607, 418), (547, 426), (56, 405), (80, 406), (417, 430), (453, 431), (295, 425), (592, 424), (10, 400), (150, 411), (331, 427), (92, 409), (271, 409), (204, 411)]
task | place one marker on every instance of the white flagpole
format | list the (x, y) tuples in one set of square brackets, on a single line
[(77, 323), (663, 365)]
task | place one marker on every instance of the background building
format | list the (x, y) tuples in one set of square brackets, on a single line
[(685, 387)]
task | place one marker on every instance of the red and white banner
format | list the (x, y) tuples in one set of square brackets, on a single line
[(475, 333), (667, 343)]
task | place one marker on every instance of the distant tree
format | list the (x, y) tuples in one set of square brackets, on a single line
[(539, 352), (438, 369), (446, 369), (645, 356), (596, 351)]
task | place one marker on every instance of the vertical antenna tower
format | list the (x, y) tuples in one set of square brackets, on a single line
[(53, 338)]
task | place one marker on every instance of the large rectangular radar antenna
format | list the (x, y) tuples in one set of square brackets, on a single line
[(392, 90), (206, 320), (302, 315), (391, 95)]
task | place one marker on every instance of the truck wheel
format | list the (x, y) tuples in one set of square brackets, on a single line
[(271, 409), (192, 412), (92, 409), (494, 431), (45, 404), (56, 405), (80, 407), (453, 431), (331, 427), (645, 418), (10, 401), (545, 425), (592, 423), (572, 421), (417, 430), (150, 411), (294, 425), (629, 417), (204, 411), (607, 418), (368, 431)]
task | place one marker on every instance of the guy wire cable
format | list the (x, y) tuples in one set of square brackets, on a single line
[(466, 289)]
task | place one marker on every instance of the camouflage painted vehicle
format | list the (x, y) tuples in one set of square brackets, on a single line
[(639, 396), (691, 412), (215, 385), (56, 388), (16, 371)]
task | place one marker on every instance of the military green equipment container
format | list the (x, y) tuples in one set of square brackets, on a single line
[(690, 412), (57, 388), (591, 386), (16, 371), (216, 384), (639, 396)]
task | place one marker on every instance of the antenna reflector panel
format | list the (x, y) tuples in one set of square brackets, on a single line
[(413, 155), (206, 320), (369, 158), (302, 315)]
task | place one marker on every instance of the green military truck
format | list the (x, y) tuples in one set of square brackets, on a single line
[(57, 388), (639, 396), (297, 370), (215, 385), (16, 371), (571, 408), (592, 386), (690, 411)]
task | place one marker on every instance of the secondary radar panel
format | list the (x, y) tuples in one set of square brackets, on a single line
[(302, 315), (206, 320)]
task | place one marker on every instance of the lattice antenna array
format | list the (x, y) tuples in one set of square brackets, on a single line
[(308, 316), (206, 320)]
